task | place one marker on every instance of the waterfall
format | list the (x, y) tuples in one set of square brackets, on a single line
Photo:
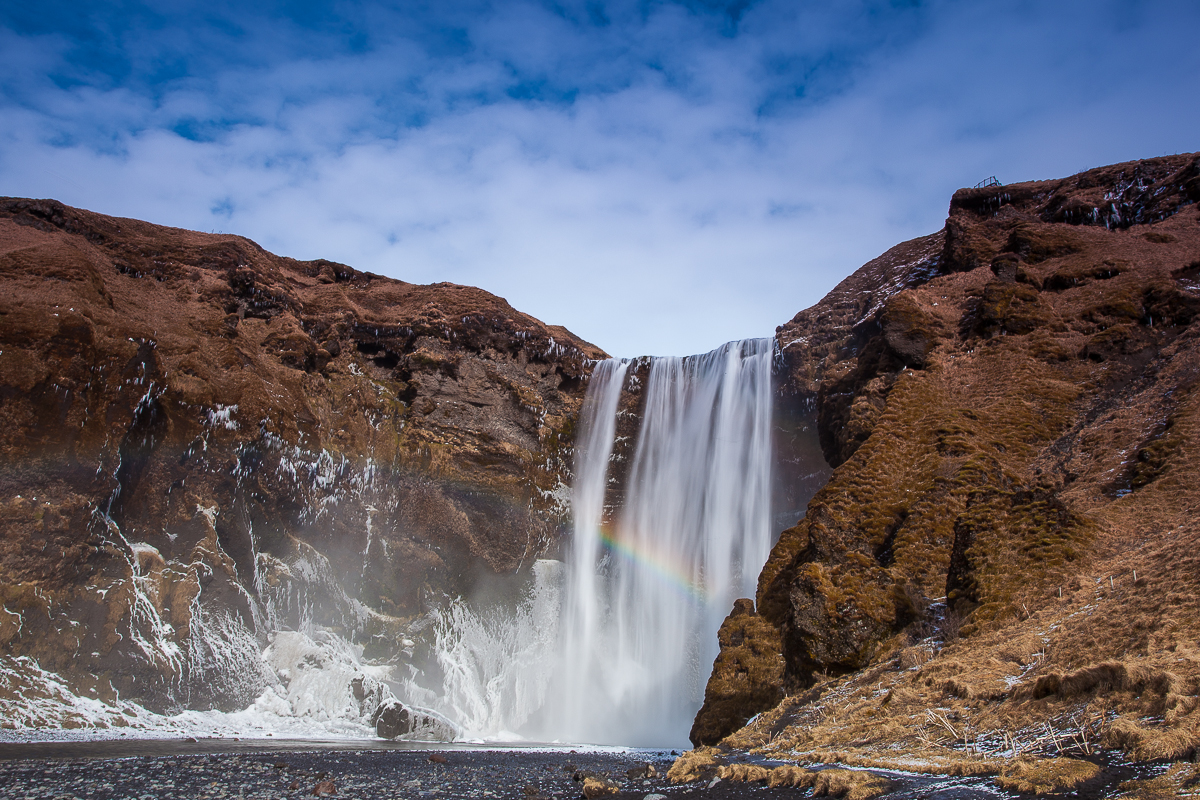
[(649, 582), (660, 550)]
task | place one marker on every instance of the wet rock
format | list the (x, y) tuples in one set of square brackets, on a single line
[(642, 772), (393, 719), (324, 788)]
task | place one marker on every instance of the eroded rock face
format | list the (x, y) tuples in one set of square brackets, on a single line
[(1000, 399), (201, 441)]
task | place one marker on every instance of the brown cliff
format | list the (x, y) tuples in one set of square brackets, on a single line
[(200, 440), (1008, 535)]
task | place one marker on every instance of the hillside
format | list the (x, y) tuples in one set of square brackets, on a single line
[(1005, 559), (201, 442)]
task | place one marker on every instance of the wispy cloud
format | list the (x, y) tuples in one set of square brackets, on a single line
[(659, 177)]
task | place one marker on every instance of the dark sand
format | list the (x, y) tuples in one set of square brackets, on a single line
[(222, 768)]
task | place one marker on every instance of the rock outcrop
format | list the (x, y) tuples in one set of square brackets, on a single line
[(1011, 408), (747, 676), (201, 442)]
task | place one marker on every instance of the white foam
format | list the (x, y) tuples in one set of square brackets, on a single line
[(497, 665)]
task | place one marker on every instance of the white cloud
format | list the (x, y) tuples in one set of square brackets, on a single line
[(661, 211)]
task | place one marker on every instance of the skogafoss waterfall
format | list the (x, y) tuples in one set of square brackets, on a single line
[(662, 545), (649, 582)]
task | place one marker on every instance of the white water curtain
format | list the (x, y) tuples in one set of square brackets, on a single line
[(643, 604)]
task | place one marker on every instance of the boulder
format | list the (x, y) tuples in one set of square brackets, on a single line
[(393, 719)]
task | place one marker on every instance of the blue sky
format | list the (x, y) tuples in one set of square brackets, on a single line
[(660, 177)]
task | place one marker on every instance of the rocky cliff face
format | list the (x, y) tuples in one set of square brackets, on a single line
[(201, 442), (1011, 408)]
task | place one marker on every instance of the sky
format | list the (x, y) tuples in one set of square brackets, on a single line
[(659, 177)]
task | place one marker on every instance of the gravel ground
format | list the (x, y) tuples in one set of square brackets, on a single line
[(106, 770)]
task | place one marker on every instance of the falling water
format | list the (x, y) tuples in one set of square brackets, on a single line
[(649, 584), (648, 580)]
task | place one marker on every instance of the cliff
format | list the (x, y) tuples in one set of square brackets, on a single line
[(202, 442), (1004, 560)]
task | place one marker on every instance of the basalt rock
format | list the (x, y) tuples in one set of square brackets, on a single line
[(392, 720), (201, 441), (1004, 401)]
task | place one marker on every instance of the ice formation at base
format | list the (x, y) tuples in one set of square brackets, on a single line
[(319, 688)]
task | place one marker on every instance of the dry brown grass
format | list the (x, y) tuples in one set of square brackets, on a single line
[(916, 655), (693, 765), (1110, 665), (1039, 776), (1151, 742), (788, 775), (744, 773), (833, 782), (1106, 658), (848, 784)]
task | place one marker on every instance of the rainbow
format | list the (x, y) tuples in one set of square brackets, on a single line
[(670, 571)]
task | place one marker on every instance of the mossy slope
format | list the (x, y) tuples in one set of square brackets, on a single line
[(1010, 408)]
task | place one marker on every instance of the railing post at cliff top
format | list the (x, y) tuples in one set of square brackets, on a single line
[(988, 182)]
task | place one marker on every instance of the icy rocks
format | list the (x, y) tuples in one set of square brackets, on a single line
[(323, 678), (393, 720)]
